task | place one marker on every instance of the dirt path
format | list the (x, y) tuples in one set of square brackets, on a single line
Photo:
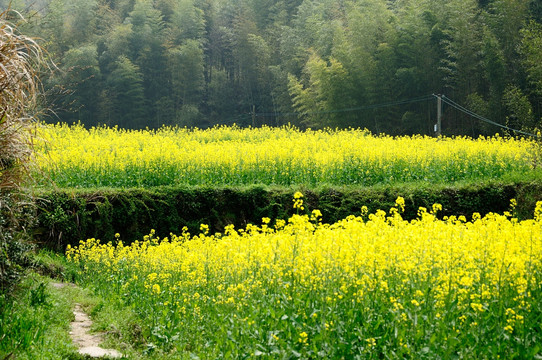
[(89, 344)]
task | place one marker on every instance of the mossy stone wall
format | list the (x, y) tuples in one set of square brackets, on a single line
[(68, 216)]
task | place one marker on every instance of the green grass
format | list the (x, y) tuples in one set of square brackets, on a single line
[(35, 317), (35, 321)]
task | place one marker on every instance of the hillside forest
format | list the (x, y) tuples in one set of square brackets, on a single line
[(310, 63)]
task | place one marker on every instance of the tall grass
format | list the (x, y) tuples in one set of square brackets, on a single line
[(73, 156), (20, 56)]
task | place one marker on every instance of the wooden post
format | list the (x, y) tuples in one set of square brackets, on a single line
[(439, 116)]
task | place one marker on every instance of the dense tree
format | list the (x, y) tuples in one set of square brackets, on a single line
[(81, 75), (519, 109), (463, 62), (506, 19), (186, 23), (144, 63), (185, 64), (536, 10), (329, 89), (531, 48), (531, 51), (124, 87)]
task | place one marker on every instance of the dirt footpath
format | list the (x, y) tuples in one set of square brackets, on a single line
[(89, 344)]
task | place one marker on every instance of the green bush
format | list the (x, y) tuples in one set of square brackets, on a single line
[(16, 218), (68, 216)]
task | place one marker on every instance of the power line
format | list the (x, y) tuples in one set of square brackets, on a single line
[(382, 105), (480, 117), (358, 108)]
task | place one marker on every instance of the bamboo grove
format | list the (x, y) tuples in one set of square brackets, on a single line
[(148, 63)]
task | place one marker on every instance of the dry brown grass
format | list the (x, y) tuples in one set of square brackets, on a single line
[(20, 59)]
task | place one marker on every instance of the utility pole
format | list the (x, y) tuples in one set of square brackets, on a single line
[(438, 128)]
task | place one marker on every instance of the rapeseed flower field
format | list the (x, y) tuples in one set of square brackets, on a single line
[(75, 157), (370, 286)]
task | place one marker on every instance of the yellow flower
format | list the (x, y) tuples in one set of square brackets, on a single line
[(223, 155), (316, 214), (353, 259), (400, 203), (538, 211), (204, 228), (298, 201), (508, 328)]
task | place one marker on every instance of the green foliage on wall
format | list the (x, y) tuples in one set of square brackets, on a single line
[(68, 216)]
